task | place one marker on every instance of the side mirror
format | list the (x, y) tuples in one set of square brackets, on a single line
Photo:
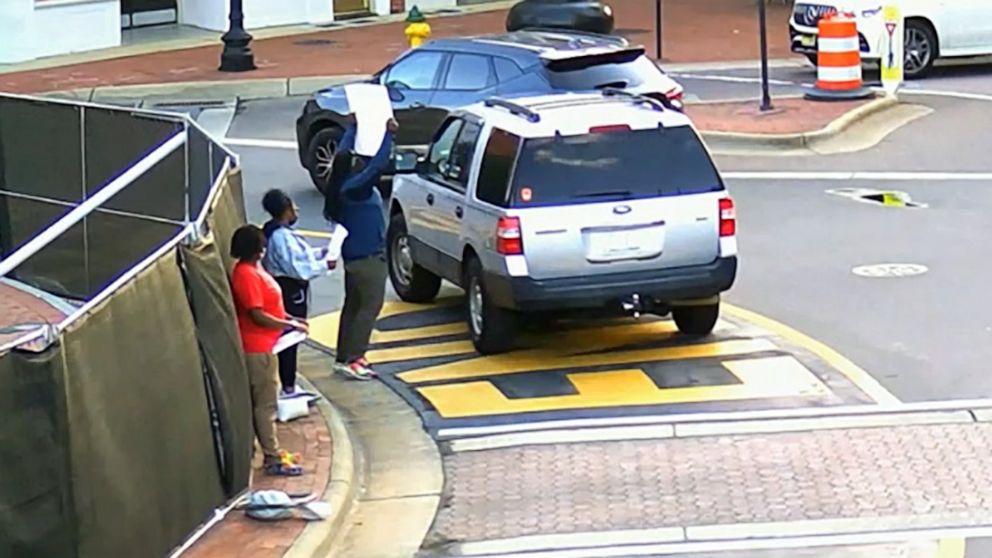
[(408, 163)]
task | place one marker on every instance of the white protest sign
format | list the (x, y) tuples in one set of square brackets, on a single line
[(372, 108)]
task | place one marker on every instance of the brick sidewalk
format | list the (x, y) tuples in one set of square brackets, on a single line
[(238, 535), (19, 307), (694, 31), (789, 116), (923, 476)]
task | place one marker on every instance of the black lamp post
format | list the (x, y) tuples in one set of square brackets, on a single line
[(657, 26), (237, 55), (766, 98)]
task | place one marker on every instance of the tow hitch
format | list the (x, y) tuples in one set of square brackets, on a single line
[(633, 305)]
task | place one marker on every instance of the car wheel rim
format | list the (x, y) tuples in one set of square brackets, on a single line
[(403, 260), (324, 157), (919, 51), (475, 306)]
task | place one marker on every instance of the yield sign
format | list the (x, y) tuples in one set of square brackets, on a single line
[(891, 27)]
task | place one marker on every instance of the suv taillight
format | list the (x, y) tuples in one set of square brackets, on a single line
[(509, 241), (728, 217)]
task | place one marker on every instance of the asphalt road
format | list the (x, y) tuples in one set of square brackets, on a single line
[(923, 337)]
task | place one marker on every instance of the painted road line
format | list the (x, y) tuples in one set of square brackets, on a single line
[(860, 175), (854, 373), (974, 406), (541, 360), (924, 537), (732, 79), (595, 539), (951, 548), (715, 428), (647, 432), (759, 378), (265, 143), (952, 94)]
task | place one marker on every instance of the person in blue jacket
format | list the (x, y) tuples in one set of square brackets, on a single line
[(352, 200)]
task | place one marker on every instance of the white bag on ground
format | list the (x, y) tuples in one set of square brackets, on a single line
[(291, 408)]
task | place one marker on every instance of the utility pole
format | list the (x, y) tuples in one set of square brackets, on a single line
[(657, 26), (237, 55), (766, 97)]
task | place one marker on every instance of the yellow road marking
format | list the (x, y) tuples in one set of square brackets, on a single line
[(781, 376), (854, 373), (538, 360), (951, 548), (314, 234)]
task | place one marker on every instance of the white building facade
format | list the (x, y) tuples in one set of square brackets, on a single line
[(31, 29)]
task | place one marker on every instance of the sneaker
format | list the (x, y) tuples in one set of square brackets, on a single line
[(367, 366), (353, 371), (283, 394)]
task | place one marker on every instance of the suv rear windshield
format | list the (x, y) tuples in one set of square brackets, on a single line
[(620, 74), (614, 165)]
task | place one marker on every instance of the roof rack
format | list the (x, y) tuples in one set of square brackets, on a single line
[(514, 108), (656, 104), (615, 39)]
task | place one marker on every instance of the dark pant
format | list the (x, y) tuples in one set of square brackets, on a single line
[(364, 292), (295, 295)]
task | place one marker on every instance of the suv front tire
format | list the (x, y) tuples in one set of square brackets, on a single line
[(410, 281)]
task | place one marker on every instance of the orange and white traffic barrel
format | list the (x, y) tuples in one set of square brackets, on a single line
[(838, 61)]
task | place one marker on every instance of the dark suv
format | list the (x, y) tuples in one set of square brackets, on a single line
[(428, 82)]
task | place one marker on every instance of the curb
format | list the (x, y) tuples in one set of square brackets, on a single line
[(342, 486), (206, 91), (733, 141)]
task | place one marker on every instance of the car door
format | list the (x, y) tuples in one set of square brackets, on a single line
[(424, 220), (962, 25), (411, 82), (449, 183), (468, 78)]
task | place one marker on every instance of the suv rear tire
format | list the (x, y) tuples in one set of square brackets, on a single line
[(410, 281), (696, 320), (492, 328)]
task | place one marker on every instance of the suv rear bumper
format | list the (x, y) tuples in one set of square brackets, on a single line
[(600, 291)]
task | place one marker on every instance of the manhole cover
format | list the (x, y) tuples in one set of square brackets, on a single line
[(890, 270), (887, 198), (315, 42)]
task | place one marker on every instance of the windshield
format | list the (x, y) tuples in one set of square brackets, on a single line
[(613, 166), (635, 73)]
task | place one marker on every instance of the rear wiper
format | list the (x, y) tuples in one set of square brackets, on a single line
[(605, 194)]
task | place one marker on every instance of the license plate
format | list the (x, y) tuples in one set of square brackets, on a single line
[(629, 244), (807, 40)]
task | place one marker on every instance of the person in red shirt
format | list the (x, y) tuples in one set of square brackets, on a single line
[(261, 321)]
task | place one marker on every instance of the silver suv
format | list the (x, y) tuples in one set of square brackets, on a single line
[(606, 202)]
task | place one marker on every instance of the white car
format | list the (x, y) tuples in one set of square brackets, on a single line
[(934, 29)]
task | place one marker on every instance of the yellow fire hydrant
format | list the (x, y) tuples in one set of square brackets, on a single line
[(418, 30)]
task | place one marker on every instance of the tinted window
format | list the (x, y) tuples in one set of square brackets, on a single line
[(468, 72), (497, 167), (506, 69), (626, 74), (416, 71), (461, 155), (612, 166), (438, 160)]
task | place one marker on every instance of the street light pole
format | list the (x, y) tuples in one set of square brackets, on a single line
[(657, 26), (237, 55), (766, 98)]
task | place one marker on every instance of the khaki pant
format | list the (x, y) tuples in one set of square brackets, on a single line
[(263, 371)]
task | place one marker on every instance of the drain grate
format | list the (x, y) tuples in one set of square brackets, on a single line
[(315, 42), (886, 198)]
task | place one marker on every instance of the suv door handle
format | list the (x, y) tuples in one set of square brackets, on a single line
[(459, 212), (417, 105), (430, 199)]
